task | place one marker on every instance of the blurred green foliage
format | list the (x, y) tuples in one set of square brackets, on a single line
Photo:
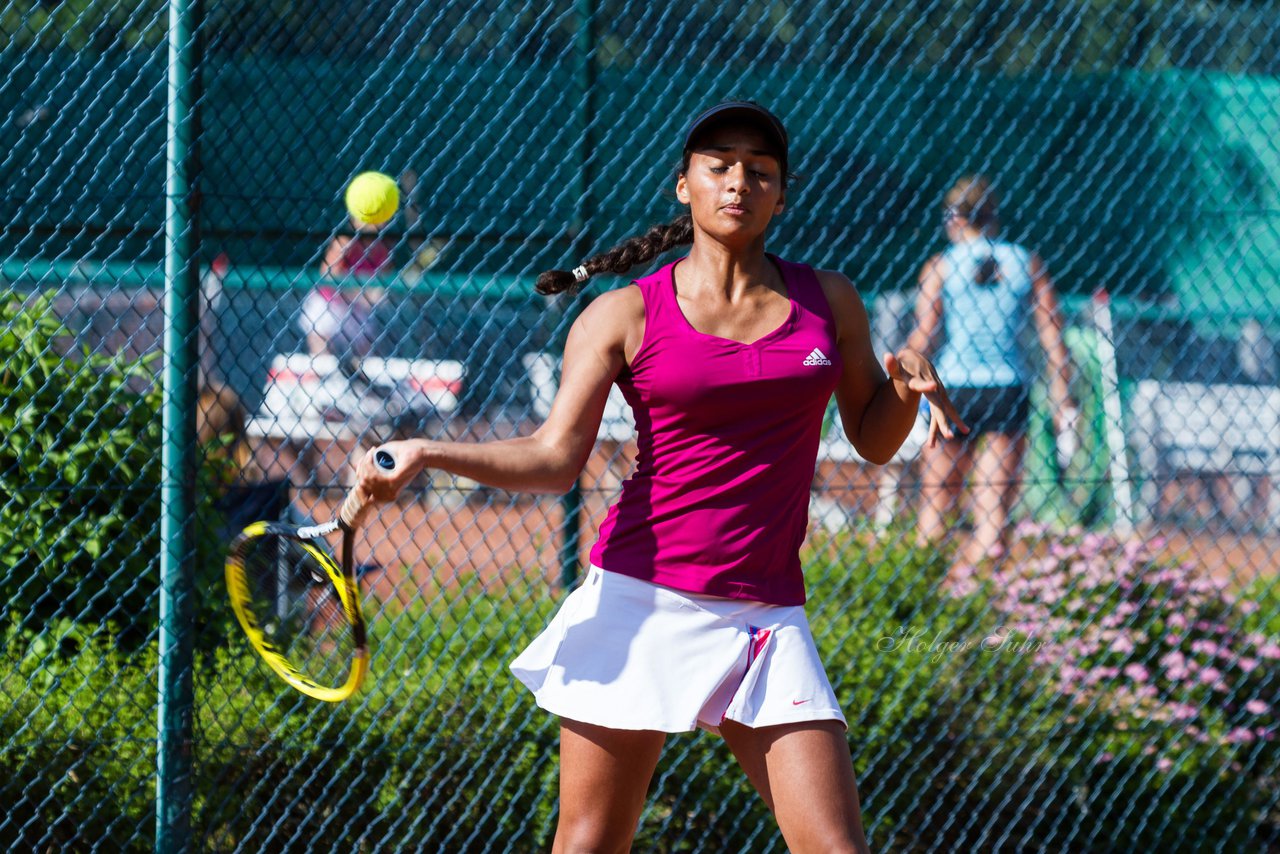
[(1001, 36), (80, 480), (958, 746)]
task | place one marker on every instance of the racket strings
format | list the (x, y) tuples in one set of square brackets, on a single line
[(298, 608)]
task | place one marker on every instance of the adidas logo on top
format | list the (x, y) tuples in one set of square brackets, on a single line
[(817, 357)]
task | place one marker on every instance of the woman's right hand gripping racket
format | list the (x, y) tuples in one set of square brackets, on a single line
[(300, 610)]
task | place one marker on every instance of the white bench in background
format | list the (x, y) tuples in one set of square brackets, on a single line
[(308, 397), (1220, 430), (314, 418)]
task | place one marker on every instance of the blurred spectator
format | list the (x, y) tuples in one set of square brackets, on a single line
[(220, 429), (212, 299), (982, 294), (337, 317)]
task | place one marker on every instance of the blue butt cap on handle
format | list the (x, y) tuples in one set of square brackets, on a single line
[(353, 507)]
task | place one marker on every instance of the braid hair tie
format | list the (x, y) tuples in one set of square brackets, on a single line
[(581, 274)]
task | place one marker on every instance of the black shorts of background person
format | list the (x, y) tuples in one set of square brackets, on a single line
[(990, 409)]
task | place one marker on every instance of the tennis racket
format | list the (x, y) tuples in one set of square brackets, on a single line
[(301, 610)]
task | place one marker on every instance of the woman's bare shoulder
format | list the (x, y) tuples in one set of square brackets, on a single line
[(615, 318), (620, 306), (841, 292)]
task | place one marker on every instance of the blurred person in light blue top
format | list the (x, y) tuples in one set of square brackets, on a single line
[(986, 306), (982, 296)]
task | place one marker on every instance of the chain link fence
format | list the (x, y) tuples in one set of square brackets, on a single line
[(1107, 679)]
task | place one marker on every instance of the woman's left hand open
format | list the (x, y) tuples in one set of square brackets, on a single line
[(917, 373)]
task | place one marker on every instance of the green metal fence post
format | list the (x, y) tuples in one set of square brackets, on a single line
[(177, 525), (571, 502)]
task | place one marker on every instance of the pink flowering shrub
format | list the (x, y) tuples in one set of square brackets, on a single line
[(1160, 649), (971, 731)]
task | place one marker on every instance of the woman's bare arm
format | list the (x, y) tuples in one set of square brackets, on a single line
[(1049, 326), (551, 459), (876, 412), (878, 405)]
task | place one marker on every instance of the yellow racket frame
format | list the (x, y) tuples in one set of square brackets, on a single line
[(348, 596)]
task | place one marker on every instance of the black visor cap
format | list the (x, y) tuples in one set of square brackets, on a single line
[(744, 112)]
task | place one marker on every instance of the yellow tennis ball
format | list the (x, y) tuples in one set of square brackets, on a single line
[(372, 198)]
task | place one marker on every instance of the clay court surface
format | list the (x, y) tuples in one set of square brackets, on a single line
[(488, 540)]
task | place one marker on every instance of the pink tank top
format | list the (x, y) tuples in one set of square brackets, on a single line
[(727, 440)]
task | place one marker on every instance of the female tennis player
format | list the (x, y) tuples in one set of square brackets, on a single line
[(692, 612)]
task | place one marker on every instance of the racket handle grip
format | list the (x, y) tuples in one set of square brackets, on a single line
[(352, 512)]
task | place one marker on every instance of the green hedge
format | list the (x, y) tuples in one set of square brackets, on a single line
[(80, 482), (958, 746)]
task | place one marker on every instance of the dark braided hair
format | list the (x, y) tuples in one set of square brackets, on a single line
[(624, 256)]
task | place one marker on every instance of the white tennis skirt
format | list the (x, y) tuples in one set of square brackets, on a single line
[(627, 654)]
